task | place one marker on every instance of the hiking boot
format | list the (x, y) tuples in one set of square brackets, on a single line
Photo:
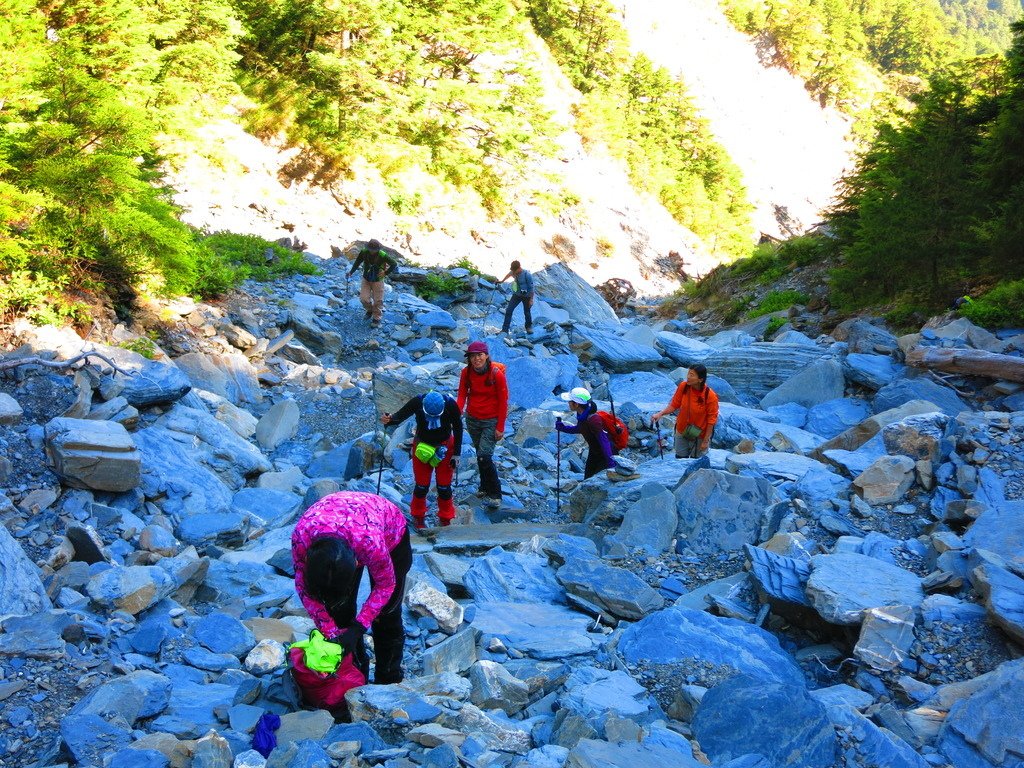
[(618, 477), (369, 314), (375, 323), (419, 522), (444, 522), (529, 329), (493, 502)]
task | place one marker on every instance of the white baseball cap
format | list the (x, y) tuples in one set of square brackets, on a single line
[(578, 395)]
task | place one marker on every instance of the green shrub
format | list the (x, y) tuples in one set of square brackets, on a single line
[(773, 325), (439, 285), (142, 345), (763, 261), (227, 258), (775, 301), (1001, 307), (805, 250)]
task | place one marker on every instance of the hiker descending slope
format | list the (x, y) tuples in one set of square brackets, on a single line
[(522, 293), (696, 408), (376, 264), (332, 542), (592, 427), (483, 396), (437, 446)]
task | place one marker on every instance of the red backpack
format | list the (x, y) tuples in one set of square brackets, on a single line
[(616, 428)]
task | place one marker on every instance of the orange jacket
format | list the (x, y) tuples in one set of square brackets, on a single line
[(700, 408), (485, 394)]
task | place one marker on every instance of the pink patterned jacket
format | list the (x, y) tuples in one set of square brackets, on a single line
[(372, 526)]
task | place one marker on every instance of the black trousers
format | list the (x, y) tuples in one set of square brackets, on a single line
[(513, 302), (387, 628)]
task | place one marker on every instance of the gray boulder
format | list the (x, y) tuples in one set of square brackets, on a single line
[(558, 283), (765, 430), (495, 688), (642, 389), (231, 376), (818, 382), (886, 481), (278, 424), (761, 367), (100, 455), (683, 350), (999, 529), (21, 590), (150, 384), (531, 380), (1003, 593), (214, 445), (886, 635), (779, 578), (650, 524), (539, 630), (903, 391), (921, 437), (617, 354), (513, 577), (596, 695), (871, 371), (132, 589), (781, 722), (844, 585), (10, 410), (834, 417), (265, 506), (620, 592), (855, 437), (590, 753), (720, 512), (865, 338), (985, 729)]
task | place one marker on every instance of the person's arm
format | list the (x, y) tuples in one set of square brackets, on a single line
[(317, 611), (673, 404), (712, 403), (572, 429), (355, 264), (388, 260), (463, 395), (506, 277), (597, 425), (377, 559), (501, 392), (405, 411), (453, 413)]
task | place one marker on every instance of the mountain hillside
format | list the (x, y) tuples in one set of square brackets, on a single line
[(791, 151)]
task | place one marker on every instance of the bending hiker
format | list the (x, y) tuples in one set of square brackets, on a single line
[(436, 447), (522, 293), (696, 405), (332, 542), (483, 395), (592, 427), (376, 264)]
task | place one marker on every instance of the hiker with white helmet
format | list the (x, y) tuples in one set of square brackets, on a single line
[(483, 394), (592, 427), (436, 447)]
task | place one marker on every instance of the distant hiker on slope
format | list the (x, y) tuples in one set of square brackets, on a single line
[(436, 447), (592, 427), (332, 542), (376, 264), (483, 396), (522, 293), (696, 408)]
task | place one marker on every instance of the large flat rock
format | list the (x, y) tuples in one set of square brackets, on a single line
[(538, 630), (843, 585)]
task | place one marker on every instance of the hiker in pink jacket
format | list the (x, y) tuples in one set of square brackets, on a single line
[(332, 542)]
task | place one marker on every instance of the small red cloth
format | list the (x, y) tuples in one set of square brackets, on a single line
[(323, 690)]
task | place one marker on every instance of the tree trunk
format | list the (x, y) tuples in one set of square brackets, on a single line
[(972, 362)]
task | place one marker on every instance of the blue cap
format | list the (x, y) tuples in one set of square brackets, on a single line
[(433, 403)]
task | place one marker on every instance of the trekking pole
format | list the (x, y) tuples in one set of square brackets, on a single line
[(558, 472), (383, 451), (661, 447)]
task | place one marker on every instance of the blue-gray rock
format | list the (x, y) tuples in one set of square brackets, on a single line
[(873, 745), (866, 338), (781, 722), (778, 577), (139, 694), (793, 414), (834, 417), (441, 756), (139, 758), (224, 528), (201, 658), (871, 371), (1003, 593), (598, 694), (650, 524), (590, 753), (454, 654), (21, 590), (720, 512), (169, 473), (819, 382), (132, 589), (155, 384), (539, 630), (562, 548), (812, 481), (232, 376), (89, 738), (560, 285), (903, 391), (621, 593), (683, 350), (736, 423), (267, 506), (369, 740), (531, 380), (641, 388), (999, 529), (843, 585), (496, 688), (221, 633), (502, 576), (920, 437), (760, 367), (679, 634), (194, 704), (99, 455), (987, 728), (213, 444), (436, 318), (618, 354), (151, 633)]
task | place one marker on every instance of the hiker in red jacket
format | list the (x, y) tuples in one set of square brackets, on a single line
[(483, 397), (696, 407)]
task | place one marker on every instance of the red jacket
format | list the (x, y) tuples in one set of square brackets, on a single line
[(700, 408), (486, 393)]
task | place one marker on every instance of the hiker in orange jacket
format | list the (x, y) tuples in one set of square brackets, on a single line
[(696, 408), (483, 397)]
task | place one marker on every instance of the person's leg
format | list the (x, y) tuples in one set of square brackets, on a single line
[(443, 473), (388, 632), (528, 315), (378, 300), (490, 484), (421, 476), (681, 446), (475, 429), (366, 296), (513, 302)]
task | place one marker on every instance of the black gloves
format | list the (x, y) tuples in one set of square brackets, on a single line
[(349, 639)]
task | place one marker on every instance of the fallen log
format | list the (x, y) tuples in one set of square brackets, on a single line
[(971, 362)]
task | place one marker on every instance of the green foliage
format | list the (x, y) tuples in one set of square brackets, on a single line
[(774, 324), (252, 257), (141, 345), (439, 285), (776, 301), (1001, 307)]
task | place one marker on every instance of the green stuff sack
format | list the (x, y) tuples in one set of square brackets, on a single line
[(425, 452), (692, 432)]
